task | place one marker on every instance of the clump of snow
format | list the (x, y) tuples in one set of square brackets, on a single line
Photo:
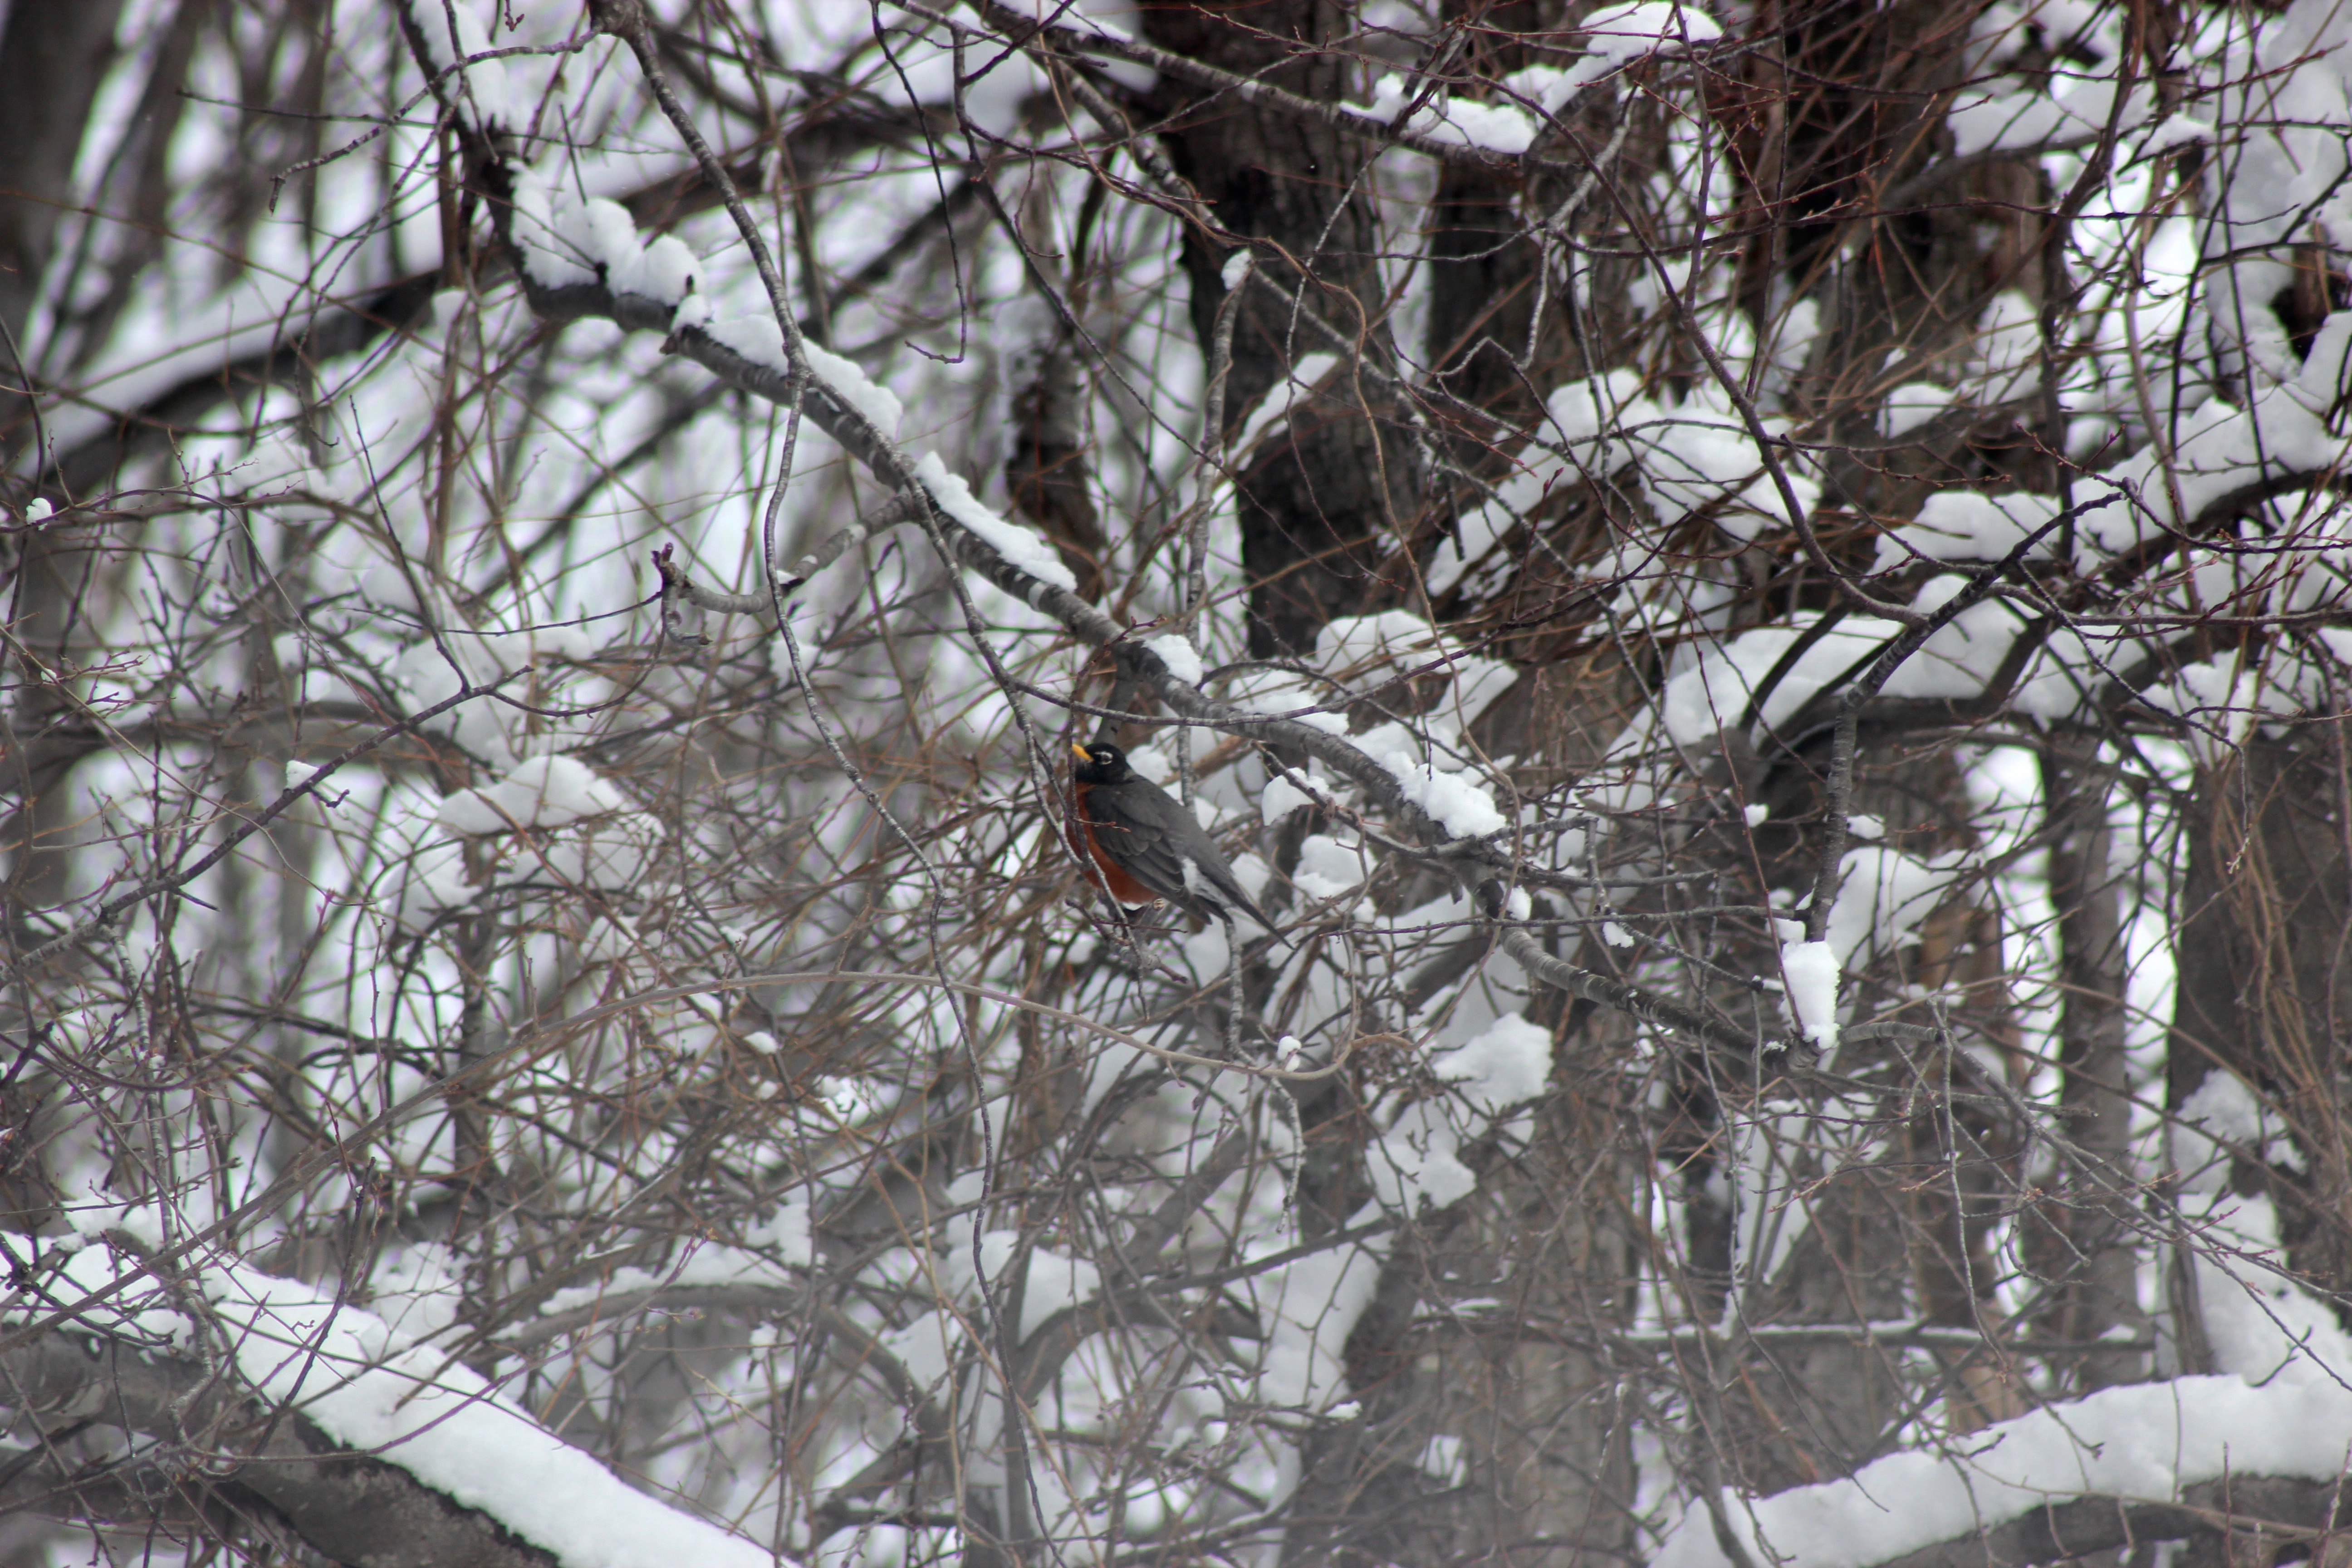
[(1765, 1177), (38, 510), (1504, 1065), (607, 846), (1280, 798), (1464, 809), (2068, 108), (1327, 867), (2223, 1111), (2260, 1323), (1576, 414), (1284, 693), (1308, 1307), (1615, 36), (1699, 454), (787, 1235), (1882, 895), (1968, 525), (538, 792), (1237, 266), (549, 258), (2146, 1440), (851, 387), (1444, 1461), (1495, 127), (1961, 657), (1718, 687), (1182, 659), (1910, 405), (1811, 970), (1688, 456), (757, 338), (422, 884), (664, 271), (1417, 1163), (1021, 547), (566, 241), (2222, 698), (1461, 807), (374, 1389)]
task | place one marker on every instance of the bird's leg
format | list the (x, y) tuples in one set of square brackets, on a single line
[(1122, 949)]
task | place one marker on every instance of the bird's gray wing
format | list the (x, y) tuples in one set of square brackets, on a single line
[(1144, 841), (1151, 834)]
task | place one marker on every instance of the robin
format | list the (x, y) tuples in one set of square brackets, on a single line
[(1146, 844)]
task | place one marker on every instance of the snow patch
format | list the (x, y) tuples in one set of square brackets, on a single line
[(1811, 970), (1182, 659), (1023, 548)]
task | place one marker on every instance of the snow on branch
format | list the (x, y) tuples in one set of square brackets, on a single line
[(424, 1451), (2149, 1445)]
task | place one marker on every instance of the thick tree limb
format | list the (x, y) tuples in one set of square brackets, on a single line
[(2247, 1519), (350, 1508)]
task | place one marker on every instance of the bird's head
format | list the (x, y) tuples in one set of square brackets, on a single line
[(1100, 763)]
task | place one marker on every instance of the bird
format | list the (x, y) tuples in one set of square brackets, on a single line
[(1147, 846)]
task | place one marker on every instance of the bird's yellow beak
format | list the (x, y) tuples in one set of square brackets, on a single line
[(1078, 750)]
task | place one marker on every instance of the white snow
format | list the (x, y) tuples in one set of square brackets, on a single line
[(1182, 659), (1309, 1306), (1686, 455), (759, 339), (538, 792), (1327, 867), (1417, 1161), (1882, 895), (1968, 525), (664, 271), (1280, 692), (607, 846), (1811, 970), (2070, 109), (1498, 128), (1910, 405), (756, 337), (376, 1391), (1504, 1066), (483, 83), (1444, 1461), (565, 241), (1463, 809), (1021, 547), (1280, 798), (1615, 36), (2146, 1440), (851, 387), (1272, 412), (1053, 1281), (707, 1264), (1774, 1155)]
